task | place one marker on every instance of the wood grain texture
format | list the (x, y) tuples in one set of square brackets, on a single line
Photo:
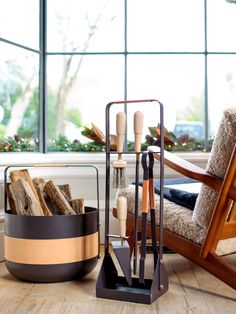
[(78, 205), (232, 215), (53, 191), (23, 174), (66, 191), (24, 199), (189, 170), (11, 200), (43, 203), (145, 197), (39, 182), (221, 211), (191, 290)]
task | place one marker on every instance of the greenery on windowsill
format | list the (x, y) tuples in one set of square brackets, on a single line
[(64, 145), (184, 143), (18, 144)]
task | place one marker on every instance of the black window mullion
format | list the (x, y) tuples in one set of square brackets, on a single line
[(125, 67), (206, 118), (42, 78), (42, 72)]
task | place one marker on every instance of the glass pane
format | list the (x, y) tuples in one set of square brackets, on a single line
[(159, 25), (221, 17), (19, 98), (221, 87), (79, 94), (19, 22), (85, 25), (176, 81)]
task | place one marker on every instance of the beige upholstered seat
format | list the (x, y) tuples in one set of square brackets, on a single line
[(176, 218), (179, 219)]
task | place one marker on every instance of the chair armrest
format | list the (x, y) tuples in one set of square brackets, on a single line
[(187, 169)]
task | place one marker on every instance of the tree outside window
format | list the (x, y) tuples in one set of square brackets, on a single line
[(101, 51)]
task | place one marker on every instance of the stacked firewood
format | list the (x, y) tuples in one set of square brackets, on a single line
[(37, 197)]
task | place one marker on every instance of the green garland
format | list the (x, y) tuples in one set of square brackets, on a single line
[(18, 144)]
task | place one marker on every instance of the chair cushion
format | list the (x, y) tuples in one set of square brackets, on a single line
[(177, 219), (217, 165)]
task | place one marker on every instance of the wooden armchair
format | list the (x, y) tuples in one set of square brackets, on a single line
[(208, 233)]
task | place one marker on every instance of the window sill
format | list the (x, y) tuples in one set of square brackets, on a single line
[(31, 158), (95, 159), (83, 158)]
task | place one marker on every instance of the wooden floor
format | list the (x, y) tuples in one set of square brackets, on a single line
[(191, 290)]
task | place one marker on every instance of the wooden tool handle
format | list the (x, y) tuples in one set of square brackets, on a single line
[(145, 197), (152, 193), (120, 130), (122, 214), (138, 130)]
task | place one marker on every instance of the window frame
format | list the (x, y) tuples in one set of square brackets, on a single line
[(43, 53)]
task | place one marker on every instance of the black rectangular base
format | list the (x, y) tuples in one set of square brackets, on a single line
[(137, 293), (111, 286)]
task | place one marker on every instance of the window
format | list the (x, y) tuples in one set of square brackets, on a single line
[(68, 59)]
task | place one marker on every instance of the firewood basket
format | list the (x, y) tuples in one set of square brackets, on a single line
[(51, 248)]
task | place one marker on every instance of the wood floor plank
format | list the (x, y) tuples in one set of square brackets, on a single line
[(191, 290), (178, 293), (193, 297), (220, 297), (12, 291)]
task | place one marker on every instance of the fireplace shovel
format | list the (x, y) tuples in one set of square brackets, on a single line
[(121, 248)]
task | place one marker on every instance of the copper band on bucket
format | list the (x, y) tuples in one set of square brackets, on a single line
[(51, 251)]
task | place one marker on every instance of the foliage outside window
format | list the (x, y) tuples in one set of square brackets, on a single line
[(106, 50)]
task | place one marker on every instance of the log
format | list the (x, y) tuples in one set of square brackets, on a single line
[(39, 182), (78, 205), (43, 203), (24, 199), (11, 200), (24, 174), (53, 191), (66, 191), (51, 205), (46, 203)]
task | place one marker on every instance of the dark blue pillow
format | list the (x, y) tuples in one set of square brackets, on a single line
[(179, 197)]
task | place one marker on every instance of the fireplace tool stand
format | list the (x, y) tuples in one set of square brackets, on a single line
[(110, 285)]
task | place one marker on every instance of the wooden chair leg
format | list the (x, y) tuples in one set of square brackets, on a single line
[(220, 268)]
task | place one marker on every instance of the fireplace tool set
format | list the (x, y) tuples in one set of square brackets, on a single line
[(136, 287)]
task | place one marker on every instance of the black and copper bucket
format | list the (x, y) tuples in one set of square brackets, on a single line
[(52, 248)]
